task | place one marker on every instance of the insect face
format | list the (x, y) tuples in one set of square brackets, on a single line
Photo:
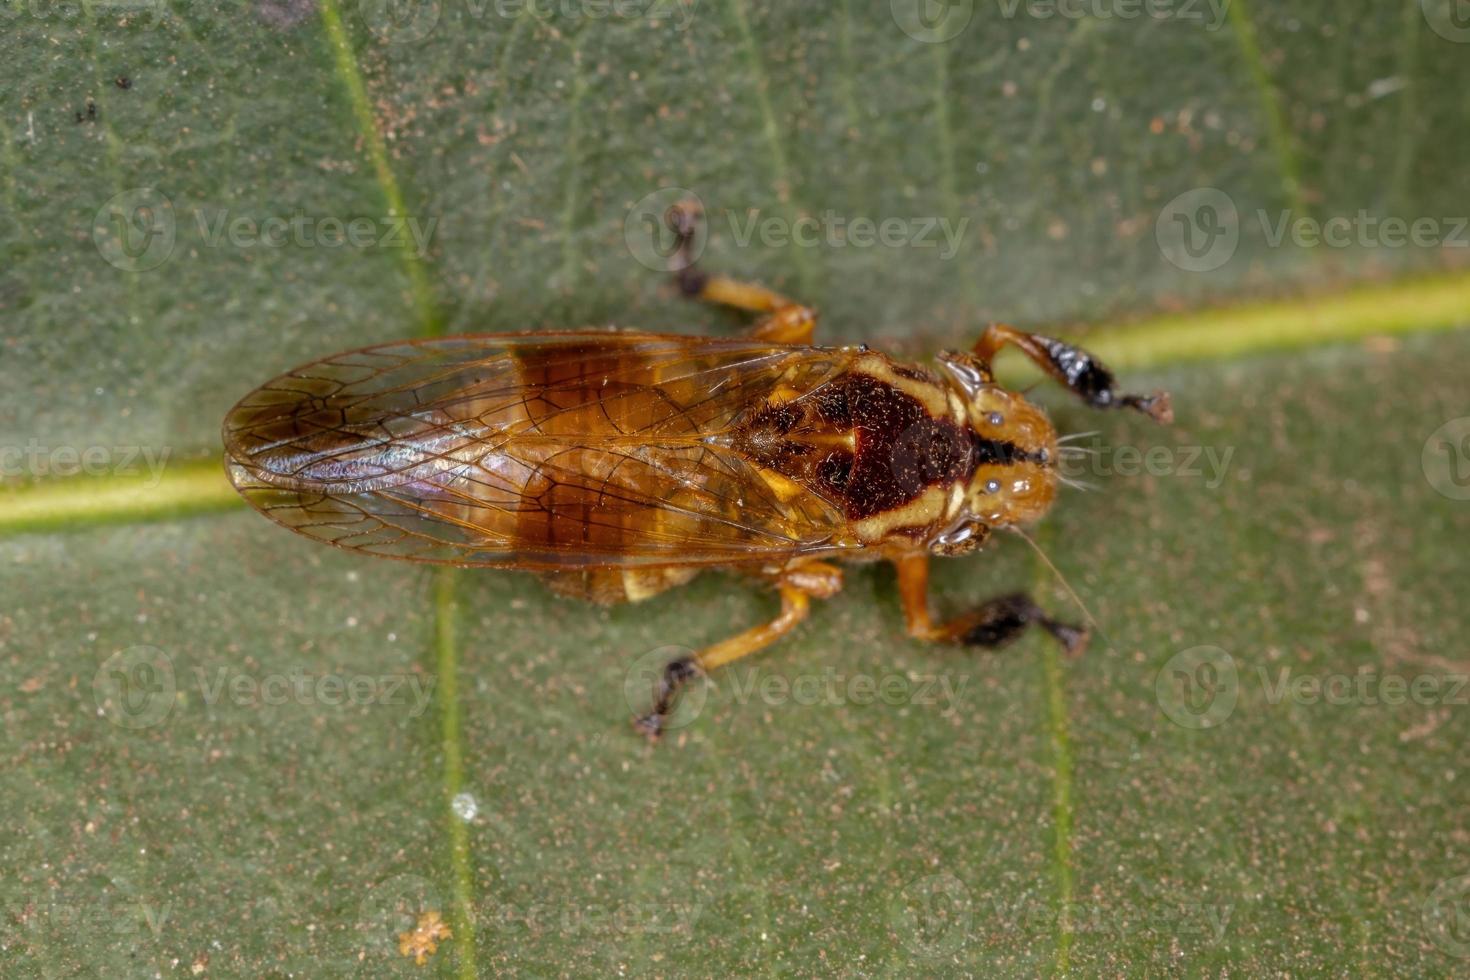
[(1016, 479), (1015, 476)]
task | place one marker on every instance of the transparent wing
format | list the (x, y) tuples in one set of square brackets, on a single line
[(567, 450)]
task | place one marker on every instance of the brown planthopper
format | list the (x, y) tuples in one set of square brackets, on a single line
[(620, 464)]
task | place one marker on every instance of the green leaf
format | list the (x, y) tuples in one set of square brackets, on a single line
[(235, 753)]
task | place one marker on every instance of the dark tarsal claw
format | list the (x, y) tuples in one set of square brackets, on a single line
[(1074, 639), (676, 673), (650, 725), (1001, 620), (1157, 406)]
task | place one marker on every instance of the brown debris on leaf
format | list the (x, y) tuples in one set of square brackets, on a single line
[(422, 941)]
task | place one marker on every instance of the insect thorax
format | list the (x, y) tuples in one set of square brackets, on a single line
[(904, 454)]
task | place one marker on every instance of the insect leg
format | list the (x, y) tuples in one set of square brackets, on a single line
[(1074, 367), (994, 624), (784, 321), (798, 587)]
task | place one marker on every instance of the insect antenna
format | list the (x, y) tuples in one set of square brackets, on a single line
[(1076, 435), (1082, 485), (1071, 454), (1091, 620)]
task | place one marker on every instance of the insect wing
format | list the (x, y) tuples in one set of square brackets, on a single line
[(579, 449)]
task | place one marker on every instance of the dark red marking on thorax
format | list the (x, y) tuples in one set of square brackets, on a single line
[(900, 449)]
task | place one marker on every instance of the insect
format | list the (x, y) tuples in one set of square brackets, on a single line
[(618, 465)]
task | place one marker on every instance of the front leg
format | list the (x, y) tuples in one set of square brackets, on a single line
[(782, 321), (993, 625), (1074, 367)]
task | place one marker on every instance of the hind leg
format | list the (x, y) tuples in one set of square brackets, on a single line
[(798, 587)]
